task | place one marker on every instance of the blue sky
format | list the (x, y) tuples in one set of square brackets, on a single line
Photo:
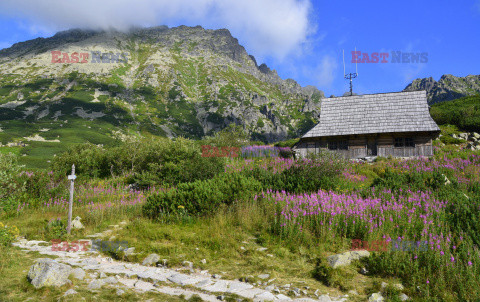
[(301, 39)]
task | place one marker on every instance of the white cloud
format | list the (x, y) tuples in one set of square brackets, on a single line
[(267, 27), (325, 71)]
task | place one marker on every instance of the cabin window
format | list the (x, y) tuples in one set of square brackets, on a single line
[(404, 142), (338, 145), (398, 142), (409, 142)]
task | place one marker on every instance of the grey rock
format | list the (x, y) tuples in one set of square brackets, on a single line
[(324, 298), (144, 286), (403, 297), (130, 251), (70, 292), (216, 276), (203, 261), (188, 264), (264, 276), (103, 275), (110, 280), (76, 224), (376, 297), (48, 272), (265, 296), (363, 271), (96, 284), (78, 273), (282, 297), (270, 288), (151, 259), (346, 258), (221, 298), (447, 181), (179, 279)]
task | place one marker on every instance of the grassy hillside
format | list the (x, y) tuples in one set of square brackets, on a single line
[(463, 113)]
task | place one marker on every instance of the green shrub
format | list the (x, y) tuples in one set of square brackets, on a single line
[(317, 172), (147, 162), (448, 140), (89, 159), (415, 181), (463, 113), (201, 197), (41, 185), (7, 234), (9, 169), (11, 187), (332, 277), (56, 228)]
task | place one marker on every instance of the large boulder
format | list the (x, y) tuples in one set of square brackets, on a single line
[(151, 259), (346, 258), (78, 273), (48, 272)]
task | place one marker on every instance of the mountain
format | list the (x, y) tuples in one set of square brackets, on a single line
[(448, 88), (182, 81)]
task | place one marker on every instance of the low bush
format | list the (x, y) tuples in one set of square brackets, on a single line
[(55, 228), (321, 171), (7, 234), (9, 170), (333, 277), (415, 181), (147, 162), (463, 113), (201, 197)]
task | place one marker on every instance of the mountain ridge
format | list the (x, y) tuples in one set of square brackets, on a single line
[(181, 81), (447, 88)]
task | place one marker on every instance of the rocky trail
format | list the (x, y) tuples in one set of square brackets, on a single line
[(99, 271)]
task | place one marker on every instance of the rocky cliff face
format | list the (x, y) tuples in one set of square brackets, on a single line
[(448, 88), (175, 81)]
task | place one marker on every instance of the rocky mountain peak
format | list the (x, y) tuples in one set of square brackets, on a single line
[(448, 87), (183, 80)]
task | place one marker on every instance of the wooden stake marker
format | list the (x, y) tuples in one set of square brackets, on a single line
[(70, 204)]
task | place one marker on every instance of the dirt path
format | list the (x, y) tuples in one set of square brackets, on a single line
[(104, 271)]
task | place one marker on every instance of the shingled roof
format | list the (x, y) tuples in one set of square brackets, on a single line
[(374, 113)]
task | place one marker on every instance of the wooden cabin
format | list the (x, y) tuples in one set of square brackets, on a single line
[(397, 124)]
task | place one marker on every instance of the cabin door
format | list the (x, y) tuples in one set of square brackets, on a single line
[(371, 147)]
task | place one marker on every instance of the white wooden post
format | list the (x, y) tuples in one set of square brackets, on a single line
[(70, 204)]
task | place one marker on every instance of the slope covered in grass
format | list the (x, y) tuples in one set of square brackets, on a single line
[(463, 113)]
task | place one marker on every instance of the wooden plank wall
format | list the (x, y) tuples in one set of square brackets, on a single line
[(385, 145)]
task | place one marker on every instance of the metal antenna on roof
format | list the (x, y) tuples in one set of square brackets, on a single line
[(350, 76)]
